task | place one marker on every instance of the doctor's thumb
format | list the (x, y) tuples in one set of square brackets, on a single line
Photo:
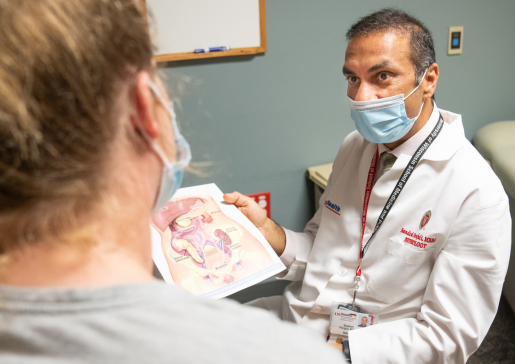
[(231, 197)]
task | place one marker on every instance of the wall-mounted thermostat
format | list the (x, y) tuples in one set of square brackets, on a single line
[(455, 40)]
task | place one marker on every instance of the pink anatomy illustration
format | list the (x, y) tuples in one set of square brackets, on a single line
[(203, 247)]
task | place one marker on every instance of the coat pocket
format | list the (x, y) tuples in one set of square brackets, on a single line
[(401, 272)]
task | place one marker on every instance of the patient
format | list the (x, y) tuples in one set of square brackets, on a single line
[(88, 150)]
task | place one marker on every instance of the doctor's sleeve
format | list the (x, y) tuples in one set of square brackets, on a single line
[(460, 301), (299, 245)]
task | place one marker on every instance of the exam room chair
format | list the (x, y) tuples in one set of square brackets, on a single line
[(496, 143)]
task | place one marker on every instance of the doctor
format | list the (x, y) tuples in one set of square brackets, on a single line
[(413, 220)]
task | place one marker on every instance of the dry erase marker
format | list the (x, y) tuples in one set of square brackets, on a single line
[(212, 49)]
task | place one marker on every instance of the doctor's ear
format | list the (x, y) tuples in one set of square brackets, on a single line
[(145, 106), (430, 80)]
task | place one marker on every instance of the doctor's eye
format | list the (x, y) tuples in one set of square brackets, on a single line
[(352, 79), (383, 76)]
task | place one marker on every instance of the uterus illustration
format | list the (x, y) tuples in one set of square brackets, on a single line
[(211, 250)]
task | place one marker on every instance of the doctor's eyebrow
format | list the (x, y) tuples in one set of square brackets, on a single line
[(374, 68), (347, 71), (379, 66)]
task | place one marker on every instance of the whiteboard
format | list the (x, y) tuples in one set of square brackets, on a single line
[(185, 25)]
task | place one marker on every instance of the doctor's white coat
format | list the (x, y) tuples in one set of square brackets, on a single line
[(437, 284)]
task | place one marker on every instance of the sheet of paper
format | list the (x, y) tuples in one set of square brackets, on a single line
[(208, 247)]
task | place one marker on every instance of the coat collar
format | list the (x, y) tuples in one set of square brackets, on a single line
[(450, 139)]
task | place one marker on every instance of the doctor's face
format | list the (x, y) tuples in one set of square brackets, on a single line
[(378, 65)]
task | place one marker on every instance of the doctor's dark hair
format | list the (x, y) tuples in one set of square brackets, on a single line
[(61, 66), (422, 50)]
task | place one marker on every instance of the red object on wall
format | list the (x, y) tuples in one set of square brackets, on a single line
[(263, 200)]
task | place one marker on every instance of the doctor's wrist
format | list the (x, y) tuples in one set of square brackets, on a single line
[(275, 236)]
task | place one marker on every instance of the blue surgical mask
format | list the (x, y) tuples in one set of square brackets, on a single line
[(172, 174), (383, 120)]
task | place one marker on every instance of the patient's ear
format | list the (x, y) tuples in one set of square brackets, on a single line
[(145, 106)]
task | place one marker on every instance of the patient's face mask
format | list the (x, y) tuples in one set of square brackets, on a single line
[(383, 120), (171, 178)]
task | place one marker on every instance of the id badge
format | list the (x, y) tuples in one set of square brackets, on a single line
[(346, 317)]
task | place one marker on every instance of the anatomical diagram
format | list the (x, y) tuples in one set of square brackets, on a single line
[(203, 247)]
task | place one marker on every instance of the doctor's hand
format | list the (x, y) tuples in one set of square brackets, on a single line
[(272, 232)]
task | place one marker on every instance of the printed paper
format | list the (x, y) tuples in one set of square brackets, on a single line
[(209, 247)]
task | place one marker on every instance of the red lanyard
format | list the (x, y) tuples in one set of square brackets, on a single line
[(368, 192), (417, 156)]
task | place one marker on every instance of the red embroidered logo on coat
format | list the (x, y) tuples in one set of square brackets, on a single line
[(425, 219)]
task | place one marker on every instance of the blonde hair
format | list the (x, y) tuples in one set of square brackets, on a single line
[(60, 62)]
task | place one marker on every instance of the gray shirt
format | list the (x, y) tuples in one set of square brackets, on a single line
[(148, 322)]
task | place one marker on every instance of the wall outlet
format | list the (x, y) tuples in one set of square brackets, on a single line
[(455, 40), (263, 200)]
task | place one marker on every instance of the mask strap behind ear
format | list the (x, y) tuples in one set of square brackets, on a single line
[(154, 88), (420, 83), (420, 112), (144, 133)]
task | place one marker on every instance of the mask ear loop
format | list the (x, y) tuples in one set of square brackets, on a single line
[(415, 89), (420, 112), (154, 145), (181, 143)]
